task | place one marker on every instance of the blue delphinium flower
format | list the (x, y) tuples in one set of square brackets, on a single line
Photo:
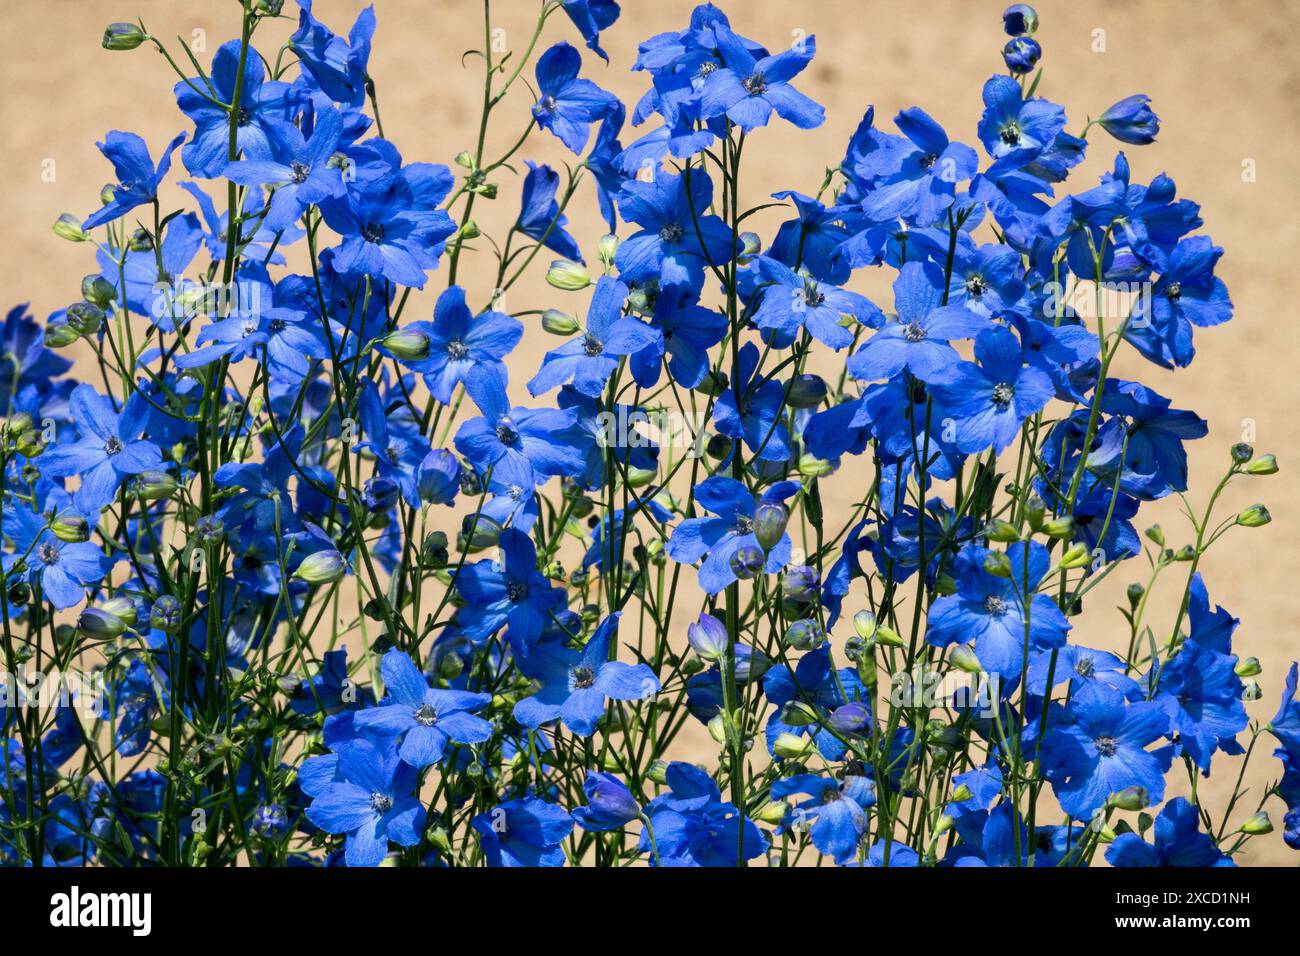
[(109, 450), (428, 719), (337, 65), (568, 105), (791, 302), (298, 170), (834, 812), (63, 570), (1187, 294), (137, 177), (370, 797), (527, 832), (577, 684), (1099, 748), (590, 359), (715, 540), (922, 174), (610, 805), (524, 441), (692, 826), (1015, 130), (749, 88), (1178, 842), (752, 410), (1131, 120), (678, 235), (590, 17), (513, 593), (539, 214)]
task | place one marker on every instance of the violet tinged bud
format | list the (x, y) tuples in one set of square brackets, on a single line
[(68, 227), (72, 528), (409, 345), (708, 637), (1130, 798), (85, 317), (568, 276), (323, 567), (1131, 121), (806, 391), (747, 563), (804, 635), (1019, 19), (1241, 453), (770, 520), (122, 608), (852, 718), (123, 36), (1021, 54), (98, 624)]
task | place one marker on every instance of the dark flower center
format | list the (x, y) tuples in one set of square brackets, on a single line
[(1011, 134), (48, 553), (744, 524), (995, 605), (672, 232), (278, 325), (506, 434), (1003, 392), (830, 795), (548, 103), (516, 591), (1106, 745), (592, 346), (583, 677), (380, 803), (928, 160), (299, 171), (113, 445), (914, 331), (813, 297), (457, 350), (1084, 667), (1174, 291), (756, 84), (975, 286), (707, 67), (425, 715), (245, 116), (372, 232)]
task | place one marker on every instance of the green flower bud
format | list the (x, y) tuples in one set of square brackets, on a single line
[(718, 729), (468, 231), (750, 245), (790, 747), (998, 564), (98, 290), (559, 323), (99, 625), (486, 533), (1250, 667), (713, 383), (889, 637), (658, 772), (17, 424), (1241, 453), (568, 276), (68, 227), (806, 391), (1001, 531), (1130, 798), (123, 36), (1263, 465), (410, 345), (465, 159), (811, 466), (1257, 824), (769, 524), (804, 635), (1255, 516), (1156, 535), (323, 567), (1059, 527), (796, 713), (607, 249), (154, 485), (85, 317), (30, 443), (122, 608), (774, 811), (1135, 592), (1076, 556), (72, 528), (962, 794), (963, 658), (864, 625), (1035, 508)]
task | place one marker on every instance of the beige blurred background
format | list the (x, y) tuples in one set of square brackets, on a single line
[(1222, 75)]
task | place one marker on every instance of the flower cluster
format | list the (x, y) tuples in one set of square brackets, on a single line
[(345, 602)]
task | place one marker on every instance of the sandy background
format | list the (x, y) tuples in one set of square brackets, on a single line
[(1222, 75)]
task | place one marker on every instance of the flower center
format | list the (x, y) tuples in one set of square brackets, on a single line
[(380, 803), (1106, 745), (299, 171), (48, 553), (744, 524), (975, 286), (1084, 667), (812, 297), (672, 232), (372, 232), (592, 346), (928, 160), (914, 332), (548, 103), (113, 446), (1174, 291), (457, 350), (1011, 134), (516, 591), (506, 434), (425, 715), (756, 84), (583, 677), (1003, 392), (995, 605)]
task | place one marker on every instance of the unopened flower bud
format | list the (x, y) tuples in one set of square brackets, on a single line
[(1241, 453), (750, 245), (1021, 54), (708, 637), (811, 466), (998, 564), (122, 608), (804, 635), (85, 317), (790, 747), (961, 794), (1061, 527), (1135, 592), (165, 614), (1130, 798), (154, 485), (68, 227), (1019, 19), (72, 528), (1257, 824), (559, 323), (770, 520), (607, 249), (98, 290), (123, 36), (806, 391), (1263, 465), (963, 658), (889, 637), (323, 567), (1076, 556), (773, 812), (1156, 534), (568, 276), (98, 624), (1001, 531), (1254, 517), (410, 345), (796, 713), (864, 625), (747, 563), (1248, 667)]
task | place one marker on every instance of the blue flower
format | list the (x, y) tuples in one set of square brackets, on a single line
[(338, 66), (592, 357), (137, 177), (460, 341), (369, 797), (690, 825), (748, 88), (523, 441), (568, 105), (791, 302), (1187, 294), (688, 331), (1178, 842), (610, 805), (524, 832), (1131, 120), (577, 684), (1099, 749), (715, 540), (816, 681), (427, 719), (513, 593), (298, 169), (834, 811), (922, 172), (539, 214), (751, 409), (678, 235), (109, 450), (590, 17), (1015, 130)]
